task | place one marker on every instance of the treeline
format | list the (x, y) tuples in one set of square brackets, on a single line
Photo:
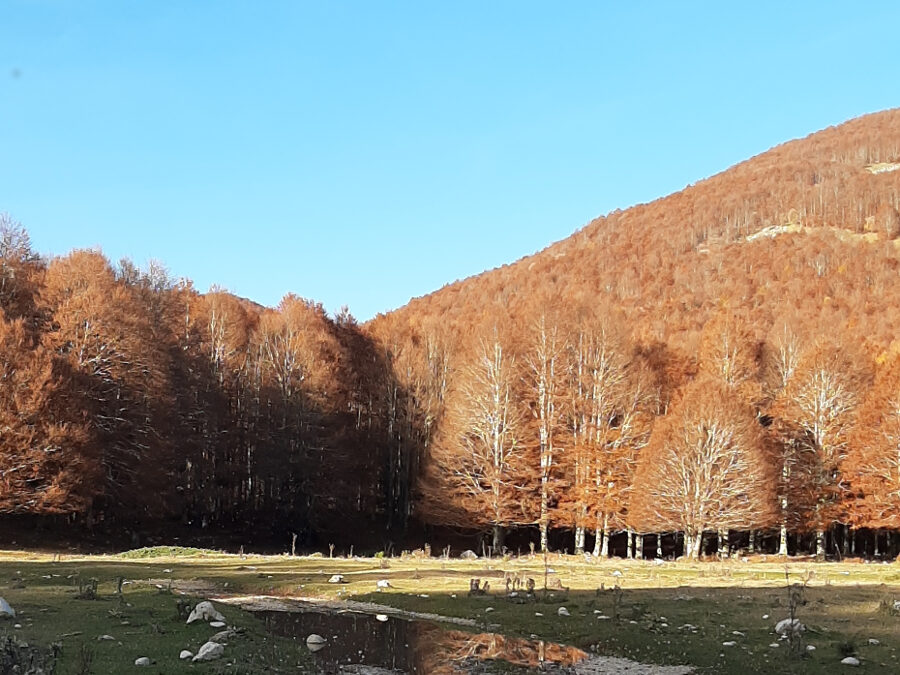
[(128, 399), (565, 422)]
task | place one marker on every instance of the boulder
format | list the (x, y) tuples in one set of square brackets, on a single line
[(5, 610), (217, 624), (562, 611), (789, 626), (204, 611), (383, 583), (381, 617), (209, 652), (185, 654), (315, 642), (468, 555), (105, 637), (223, 636), (142, 661), (850, 661)]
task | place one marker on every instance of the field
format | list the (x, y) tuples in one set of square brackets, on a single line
[(669, 613)]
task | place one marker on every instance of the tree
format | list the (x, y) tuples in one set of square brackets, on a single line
[(705, 467), (480, 459), (815, 410)]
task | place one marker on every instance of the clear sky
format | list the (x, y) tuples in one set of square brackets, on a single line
[(364, 153)]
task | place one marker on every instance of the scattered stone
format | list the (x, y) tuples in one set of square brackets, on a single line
[(217, 624), (315, 642), (142, 661), (18, 625), (222, 637), (850, 661), (383, 583), (765, 616), (873, 641), (786, 626), (488, 609), (105, 637), (381, 617), (185, 654), (538, 614), (468, 555), (204, 611), (616, 573), (562, 611), (210, 651), (602, 617), (6, 610), (810, 648), (774, 645), (729, 643), (336, 579)]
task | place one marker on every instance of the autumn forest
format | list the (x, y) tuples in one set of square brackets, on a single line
[(717, 370)]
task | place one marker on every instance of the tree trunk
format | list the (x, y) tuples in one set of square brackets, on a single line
[(877, 551), (599, 536), (659, 545), (497, 544), (579, 539), (820, 544), (845, 545), (751, 547), (782, 540), (629, 544), (722, 543)]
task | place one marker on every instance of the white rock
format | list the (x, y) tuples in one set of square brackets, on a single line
[(381, 617), (383, 583), (185, 654), (468, 555), (873, 641), (217, 624), (765, 616), (562, 611), (204, 611), (850, 661), (142, 661), (488, 609), (538, 614), (786, 626), (729, 643), (6, 610), (616, 573), (315, 639), (18, 625), (774, 645), (336, 579), (210, 651), (810, 648), (106, 637)]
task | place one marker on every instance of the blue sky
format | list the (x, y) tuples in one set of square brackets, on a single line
[(366, 153)]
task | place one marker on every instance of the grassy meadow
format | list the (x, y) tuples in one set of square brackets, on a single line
[(669, 613)]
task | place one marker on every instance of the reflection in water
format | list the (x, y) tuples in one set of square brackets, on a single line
[(414, 647)]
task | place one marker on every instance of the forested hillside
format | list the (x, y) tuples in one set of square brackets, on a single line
[(723, 360)]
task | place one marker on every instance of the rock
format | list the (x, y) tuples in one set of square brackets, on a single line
[(105, 637), (6, 610), (222, 637), (185, 654), (209, 652), (336, 579), (774, 645), (562, 611), (810, 648), (873, 641), (786, 626), (381, 617), (488, 609), (616, 573), (538, 614), (468, 555), (204, 611), (383, 583), (143, 661), (730, 643), (850, 661), (217, 624), (315, 642)]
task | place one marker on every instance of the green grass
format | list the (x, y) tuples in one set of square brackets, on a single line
[(844, 607), (167, 552)]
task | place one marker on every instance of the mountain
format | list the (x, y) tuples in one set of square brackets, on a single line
[(805, 233)]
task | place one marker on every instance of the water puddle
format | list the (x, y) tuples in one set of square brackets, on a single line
[(409, 646)]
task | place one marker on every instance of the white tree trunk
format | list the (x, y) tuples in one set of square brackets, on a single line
[(820, 544), (579, 539)]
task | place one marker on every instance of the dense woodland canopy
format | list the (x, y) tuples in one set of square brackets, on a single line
[(722, 362)]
